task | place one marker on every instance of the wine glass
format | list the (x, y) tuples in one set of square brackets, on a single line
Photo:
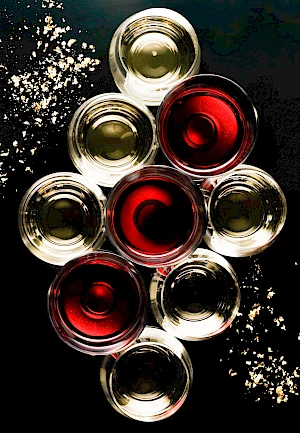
[(246, 212), (62, 216), (197, 298), (149, 380), (151, 51), (111, 135), (155, 216), (207, 125), (97, 303)]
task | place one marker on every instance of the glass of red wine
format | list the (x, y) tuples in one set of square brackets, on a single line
[(97, 303), (207, 125), (155, 216), (246, 211), (149, 380), (197, 298)]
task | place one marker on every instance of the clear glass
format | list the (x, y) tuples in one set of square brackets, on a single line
[(246, 212), (155, 216), (62, 216), (97, 303), (197, 298), (151, 51), (111, 135), (207, 125), (150, 380)]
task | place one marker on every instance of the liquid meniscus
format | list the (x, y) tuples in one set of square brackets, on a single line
[(110, 140), (63, 219)]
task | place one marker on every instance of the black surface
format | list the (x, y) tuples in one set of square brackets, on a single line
[(50, 384)]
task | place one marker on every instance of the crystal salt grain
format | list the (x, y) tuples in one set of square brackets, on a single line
[(44, 77), (266, 374)]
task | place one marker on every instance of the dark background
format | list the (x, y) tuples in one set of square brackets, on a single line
[(50, 384)]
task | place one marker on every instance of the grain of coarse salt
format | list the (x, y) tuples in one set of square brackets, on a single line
[(267, 375), (40, 89)]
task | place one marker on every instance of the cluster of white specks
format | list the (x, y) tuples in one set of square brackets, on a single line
[(44, 77), (51, 4), (253, 355)]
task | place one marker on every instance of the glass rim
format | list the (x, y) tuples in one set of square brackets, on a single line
[(97, 345), (199, 210), (119, 69), (90, 169), (156, 296), (51, 254), (195, 82), (235, 247), (151, 336)]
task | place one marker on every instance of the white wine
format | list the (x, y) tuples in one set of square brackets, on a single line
[(111, 139), (151, 51), (246, 212), (61, 216), (166, 52), (111, 135), (239, 211), (146, 373), (197, 298), (149, 380), (63, 219)]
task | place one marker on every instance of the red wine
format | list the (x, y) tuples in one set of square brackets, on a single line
[(148, 216), (99, 299), (155, 215), (206, 125)]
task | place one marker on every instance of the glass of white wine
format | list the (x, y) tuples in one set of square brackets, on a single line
[(111, 135), (151, 51), (150, 380), (246, 211), (62, 216), (197, 298)]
